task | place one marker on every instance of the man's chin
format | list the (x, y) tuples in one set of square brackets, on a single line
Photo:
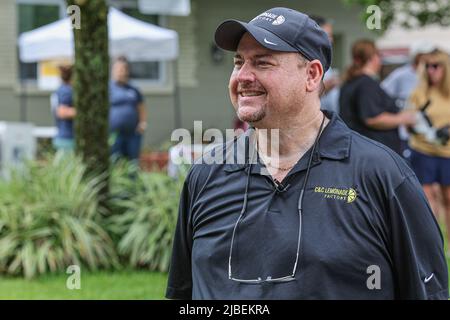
[(252, 116), (251, 119)]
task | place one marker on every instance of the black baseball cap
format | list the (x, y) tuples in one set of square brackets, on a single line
[(279, 29)]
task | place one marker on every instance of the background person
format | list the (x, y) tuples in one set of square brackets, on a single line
[(431, 159), (364, 106), (127, 113), (308, 221), (64, 112), (401, 82)]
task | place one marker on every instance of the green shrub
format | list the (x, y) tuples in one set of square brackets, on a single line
[(146, 216), (50, 219)]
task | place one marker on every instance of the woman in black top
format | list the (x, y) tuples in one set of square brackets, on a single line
[(364, 106)]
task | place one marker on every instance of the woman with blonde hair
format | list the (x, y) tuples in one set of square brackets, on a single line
[(430, 159), (364, 106)]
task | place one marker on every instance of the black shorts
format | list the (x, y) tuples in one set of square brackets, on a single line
[(431, 169)]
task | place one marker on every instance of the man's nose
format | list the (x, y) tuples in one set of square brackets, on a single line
[(246, 73)]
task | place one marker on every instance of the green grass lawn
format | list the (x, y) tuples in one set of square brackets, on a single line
[(120, 285), (105, 285), (99, 285)]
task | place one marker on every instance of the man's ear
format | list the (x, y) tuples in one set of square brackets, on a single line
[(314, 76)]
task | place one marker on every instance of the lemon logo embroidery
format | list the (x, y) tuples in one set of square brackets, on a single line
[(279, 20), (351, 195)]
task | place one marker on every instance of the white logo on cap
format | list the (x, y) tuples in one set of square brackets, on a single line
[(268, 42), (279, 20)]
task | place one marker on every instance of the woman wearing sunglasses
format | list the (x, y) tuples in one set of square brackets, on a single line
[(431, 159)]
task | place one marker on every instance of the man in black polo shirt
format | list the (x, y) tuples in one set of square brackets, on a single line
[(330, 215)]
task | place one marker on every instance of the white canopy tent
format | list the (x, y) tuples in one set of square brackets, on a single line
[(133, 38)]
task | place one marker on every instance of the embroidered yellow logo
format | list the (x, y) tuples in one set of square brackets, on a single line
[(349, 195), (352, 195)]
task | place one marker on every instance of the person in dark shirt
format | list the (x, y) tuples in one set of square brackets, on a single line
[(364, 106), (329, 214), (64, 112), (127, 113)]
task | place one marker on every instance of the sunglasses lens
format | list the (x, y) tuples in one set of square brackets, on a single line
[(432, 65)]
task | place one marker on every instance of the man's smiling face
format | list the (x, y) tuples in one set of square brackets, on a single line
[(266, 85)]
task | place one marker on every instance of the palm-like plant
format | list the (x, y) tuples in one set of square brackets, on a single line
[(148, 221), (49, 219)]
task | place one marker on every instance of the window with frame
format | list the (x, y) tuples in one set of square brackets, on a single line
[(33, 15)]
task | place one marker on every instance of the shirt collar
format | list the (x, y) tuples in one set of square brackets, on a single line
[(336, 138), (334, 144)]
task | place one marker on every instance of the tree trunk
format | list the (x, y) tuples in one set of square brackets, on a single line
[(90, 84)]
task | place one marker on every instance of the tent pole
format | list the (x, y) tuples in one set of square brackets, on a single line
[(176, 104)]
